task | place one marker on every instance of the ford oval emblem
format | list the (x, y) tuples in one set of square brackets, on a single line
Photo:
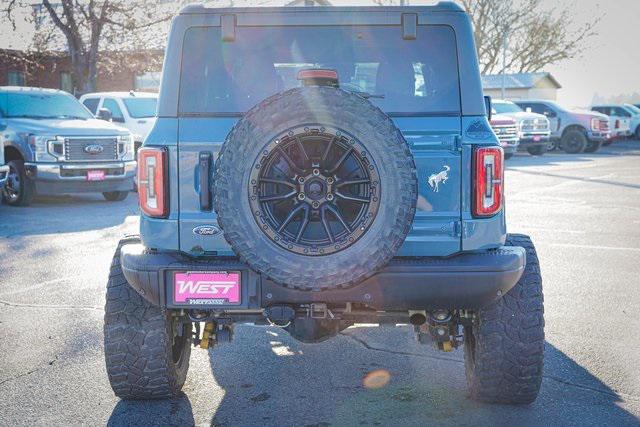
[(93, 149), (206, 230)]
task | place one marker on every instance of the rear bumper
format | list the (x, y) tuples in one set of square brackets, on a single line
[(464, 281), (61, 178), (4, 174)]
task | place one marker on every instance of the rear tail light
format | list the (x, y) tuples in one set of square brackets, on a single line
[(152, 181), (488, 177)]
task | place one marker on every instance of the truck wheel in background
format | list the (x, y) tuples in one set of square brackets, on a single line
[(18, 190), (637, 132), (552, 145), (593, 146), (574, 142), (504, 346), (538, 150), (146, 349), (115, 196), (507, 156)]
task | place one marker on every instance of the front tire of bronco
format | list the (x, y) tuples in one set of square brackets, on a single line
[(504, 346), (146, 348)]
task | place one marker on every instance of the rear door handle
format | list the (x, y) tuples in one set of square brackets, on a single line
[(204, 180)]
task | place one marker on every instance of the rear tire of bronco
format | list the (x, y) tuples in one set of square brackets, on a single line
[(315, 188), (145, 357), (593, 146), (538, 150), (115, 196), (574, 142), (504, 347)]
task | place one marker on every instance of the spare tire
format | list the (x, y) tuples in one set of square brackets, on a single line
[(315, 188)]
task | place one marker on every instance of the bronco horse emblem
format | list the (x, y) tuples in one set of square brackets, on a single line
[(437, 178)]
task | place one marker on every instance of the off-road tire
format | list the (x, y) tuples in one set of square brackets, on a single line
[(26, 193), (574, 142), (593, 146), (324, 106), (138, 341), (504, 348), (538, 150), (115, 196)]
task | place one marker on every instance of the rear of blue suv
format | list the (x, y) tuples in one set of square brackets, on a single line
[(312, 168)]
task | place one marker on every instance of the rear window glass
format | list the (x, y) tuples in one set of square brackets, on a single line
[(405, 76)]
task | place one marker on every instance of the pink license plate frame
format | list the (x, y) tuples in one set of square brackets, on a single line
[(207, 288), (96, 175)]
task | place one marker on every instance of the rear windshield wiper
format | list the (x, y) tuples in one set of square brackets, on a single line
[(366, 95)]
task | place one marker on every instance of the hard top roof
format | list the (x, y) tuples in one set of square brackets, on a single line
[(443, 6)]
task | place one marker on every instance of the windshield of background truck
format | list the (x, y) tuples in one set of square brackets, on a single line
[(505, 107), (402, 76), (42, 106), (141, 107)]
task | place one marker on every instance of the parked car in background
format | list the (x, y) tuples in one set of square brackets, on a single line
[(573, 130), (4, 169), (506, 129), (621, 120), (635, 119), (533, 129), (53, 145), (135, 111)]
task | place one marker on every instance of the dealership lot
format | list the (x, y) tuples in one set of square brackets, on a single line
[(583, 212)]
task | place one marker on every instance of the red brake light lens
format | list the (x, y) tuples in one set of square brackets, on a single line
[(489, 181), (152, 183)]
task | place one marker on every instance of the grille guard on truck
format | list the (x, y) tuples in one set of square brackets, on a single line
[(464, 281)]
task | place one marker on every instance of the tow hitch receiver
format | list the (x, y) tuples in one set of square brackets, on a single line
[(441, 329)]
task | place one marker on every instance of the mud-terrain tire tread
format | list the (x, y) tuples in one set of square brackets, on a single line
[(115, 196), (232, 160), (27, 190), (137, 343), (574, 150), (507, 362)]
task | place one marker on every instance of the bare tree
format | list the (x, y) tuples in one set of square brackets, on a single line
[(537, 37), (96, 31)]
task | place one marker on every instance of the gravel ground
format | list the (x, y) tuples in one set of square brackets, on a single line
[(582, 211)]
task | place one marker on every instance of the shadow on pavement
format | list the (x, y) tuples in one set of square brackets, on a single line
[(65, 214), (157, 412), (280, 381)]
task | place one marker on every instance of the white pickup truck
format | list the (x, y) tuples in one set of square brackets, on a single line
[(623, 121)]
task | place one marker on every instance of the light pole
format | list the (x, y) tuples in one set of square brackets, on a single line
[(504, 61)]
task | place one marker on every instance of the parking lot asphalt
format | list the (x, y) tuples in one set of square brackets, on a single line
[(583, 212)]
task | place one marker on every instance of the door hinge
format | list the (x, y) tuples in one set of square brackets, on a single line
[(457, 142), (457, 229)]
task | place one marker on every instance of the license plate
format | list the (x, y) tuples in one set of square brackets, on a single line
[(95, 175), (202, 287), (536, 138)]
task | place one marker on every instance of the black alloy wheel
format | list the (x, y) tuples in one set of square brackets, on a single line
[(314, 190)]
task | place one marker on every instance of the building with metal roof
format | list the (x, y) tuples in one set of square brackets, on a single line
[(521, 85)]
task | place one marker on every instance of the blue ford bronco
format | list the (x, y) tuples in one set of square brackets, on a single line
[(313, 168)]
